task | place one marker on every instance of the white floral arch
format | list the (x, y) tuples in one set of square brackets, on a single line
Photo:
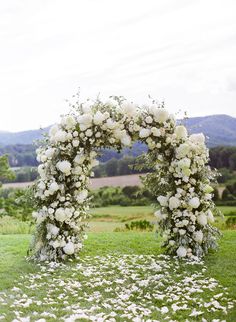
[(180, 181)]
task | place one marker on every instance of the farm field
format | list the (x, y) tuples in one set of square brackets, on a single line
[(115, 181)]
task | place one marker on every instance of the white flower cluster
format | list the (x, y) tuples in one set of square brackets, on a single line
[(68, 156), (186, 211)]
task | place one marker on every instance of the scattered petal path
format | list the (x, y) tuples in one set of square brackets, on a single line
[(117, 288)]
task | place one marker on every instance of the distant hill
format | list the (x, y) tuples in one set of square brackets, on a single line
[(25, 137), (221, 130)]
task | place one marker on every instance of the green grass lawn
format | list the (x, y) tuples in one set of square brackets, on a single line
[(104, 219), (220, 265)]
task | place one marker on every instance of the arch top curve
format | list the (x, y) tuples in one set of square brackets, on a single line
[(180, 179)]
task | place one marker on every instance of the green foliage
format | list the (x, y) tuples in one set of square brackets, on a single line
[(17, 203), (231, 222), (118, 167), (126, 196), (223, 157), (140, 225)]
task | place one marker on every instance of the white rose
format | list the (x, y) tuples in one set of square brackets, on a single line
[(198, 236), (89, 133), (148, 119), (161, 115), (60, 215), (155, 131), (129, 109), (198, 138), (69, 122), (64, 167), (79, 159), (98, 118), (202, 219), (163, 201), (75, 143), (126, 140), (85, 119), (144, 133), (181, 132), (69, 248), (194, 202), (183, 150), (174, 203), (181, 251), (111, 124), (49, 152), (53, 187), (60, 136)]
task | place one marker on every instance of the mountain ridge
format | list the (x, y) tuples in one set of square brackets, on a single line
[(220, 129)]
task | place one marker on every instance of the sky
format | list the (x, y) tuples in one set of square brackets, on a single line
[(181, 52)]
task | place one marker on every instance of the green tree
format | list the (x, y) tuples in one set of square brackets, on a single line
[(5, 171)]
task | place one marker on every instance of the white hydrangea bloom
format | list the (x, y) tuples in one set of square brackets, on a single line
[(82, 195), (181, 251), (144, 133), (202, 219), (198, 138), (174, 203), (60, 214), (126, 140), (53, 187), (64, 167), (198, 236), (69, 248), (181, 132), (163, 201)]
